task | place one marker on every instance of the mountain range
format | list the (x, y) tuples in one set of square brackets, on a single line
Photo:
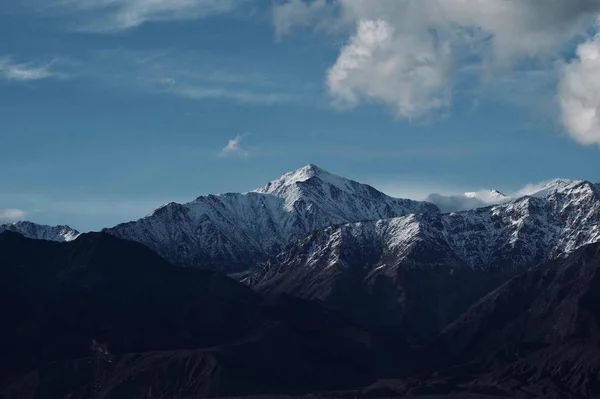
[(170, 331), (347, 292), (422, 270), (186, 333), (234, 232)]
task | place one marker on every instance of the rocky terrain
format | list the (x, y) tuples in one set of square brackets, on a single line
[(233, 232), (423, 270), (350, 294), (41, 232)]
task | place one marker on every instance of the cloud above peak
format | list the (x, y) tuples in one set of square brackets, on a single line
[(409, 54)]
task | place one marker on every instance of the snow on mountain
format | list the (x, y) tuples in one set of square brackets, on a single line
[(546, 188), (483, 198), (41, 232), (421, 271), (510, 235), (231, 232)]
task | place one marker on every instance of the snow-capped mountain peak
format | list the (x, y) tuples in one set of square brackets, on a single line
[(546, 188), (41, 232), (302, 175), (232, 231)]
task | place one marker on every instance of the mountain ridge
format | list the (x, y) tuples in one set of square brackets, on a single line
[(42, 232), (452, 259), (180, 332), (234, 231)]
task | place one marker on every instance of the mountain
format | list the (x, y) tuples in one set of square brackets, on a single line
[(41, 232), (546, 188), (538, 332), (170, 332), (420, 271), (483, 198), (56, 297), (233, 232)]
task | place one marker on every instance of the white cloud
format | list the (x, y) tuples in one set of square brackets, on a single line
[(406, 72), (11, 215), (232, 94), (579, 94), (408, 54), (414, 190), (22, 72), (462, 202), (234, 148), (115, 15)]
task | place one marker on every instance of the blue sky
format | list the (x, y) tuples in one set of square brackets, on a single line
[(109, 109)]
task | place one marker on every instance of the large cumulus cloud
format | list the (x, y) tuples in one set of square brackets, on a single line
[(407, 54)]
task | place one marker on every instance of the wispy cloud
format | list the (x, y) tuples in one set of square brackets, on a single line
[(12, 70), (11, 215), (191, 76), (117, 15), (297, 12), (234, 148), (225, 93)]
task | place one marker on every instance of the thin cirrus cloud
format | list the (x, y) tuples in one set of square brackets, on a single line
[(117, 15), (408, 55), (231, 94), (189, 76), (14, 71), (234, 148)]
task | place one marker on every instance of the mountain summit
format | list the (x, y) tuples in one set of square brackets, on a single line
[(296, 176), (232, 232), (302, 175)]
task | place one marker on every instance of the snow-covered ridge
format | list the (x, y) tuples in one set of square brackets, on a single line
[(546, 188), (41, 232), (231, 232), (483, 198), (511, 235)]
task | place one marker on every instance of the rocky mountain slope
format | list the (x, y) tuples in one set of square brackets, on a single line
[(179, 333), (41, 232), (540, 330), (232, 232), (171, 332), (422, 270)]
